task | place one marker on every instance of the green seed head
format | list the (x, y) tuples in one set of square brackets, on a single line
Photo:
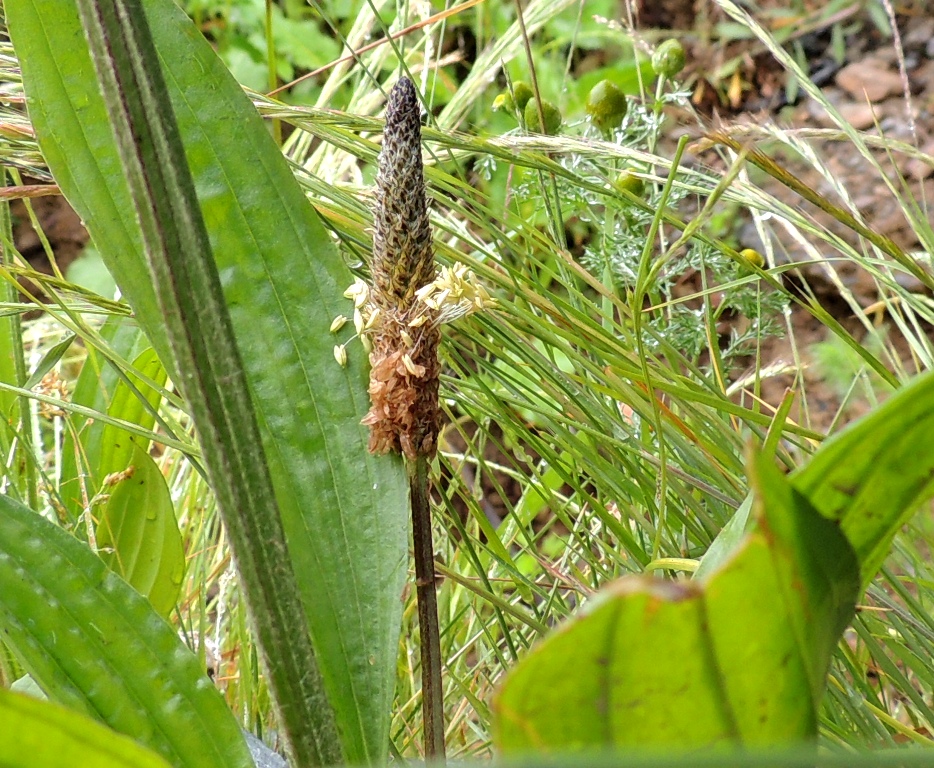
[(629, 182), (509, 100), (606, 105), (668, 59), (552, 117), (503, 101), (753, 257), (522, 93)]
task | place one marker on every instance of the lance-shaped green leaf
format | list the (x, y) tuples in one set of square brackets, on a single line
[(103, 448), (135, 401), (870, 477), (208, 365), (737, 658), (137, 533), (344, 511), (37, 734), (136, 529), (95, 645)]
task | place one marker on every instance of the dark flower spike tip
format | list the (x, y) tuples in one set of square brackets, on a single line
[(403, 260)]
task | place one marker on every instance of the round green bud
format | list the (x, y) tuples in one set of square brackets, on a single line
[(668, 59), (522, 92), (753, 257), (629, 182), (518, 97), (606, 105), (549, 111)]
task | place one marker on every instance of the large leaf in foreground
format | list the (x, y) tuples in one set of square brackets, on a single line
[(873, 475), (37, 734), (870, 477), (737, 658), (344, 512), (94, 644)]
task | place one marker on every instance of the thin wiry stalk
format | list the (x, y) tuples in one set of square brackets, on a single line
[(432, 693)]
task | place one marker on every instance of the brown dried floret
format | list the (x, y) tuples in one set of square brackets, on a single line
[(404, 416)]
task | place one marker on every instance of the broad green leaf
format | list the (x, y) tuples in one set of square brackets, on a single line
[(133, 401), (870, 477), (874, 474), (344, 512), (101, 387), (137, 532), (729, 538), (99, 378), (37, 734), (138, 536), (793, 616), (737, 658), (622, 676), (212, 374), (95, 645)]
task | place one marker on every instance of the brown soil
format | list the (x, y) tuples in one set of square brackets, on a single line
[(61, 226), (876, 92), (873, 94)]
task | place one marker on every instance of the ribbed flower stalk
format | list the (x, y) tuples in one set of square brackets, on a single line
[(404, 332)]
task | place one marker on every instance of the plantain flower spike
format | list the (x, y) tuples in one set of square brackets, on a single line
[(405, 416)]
